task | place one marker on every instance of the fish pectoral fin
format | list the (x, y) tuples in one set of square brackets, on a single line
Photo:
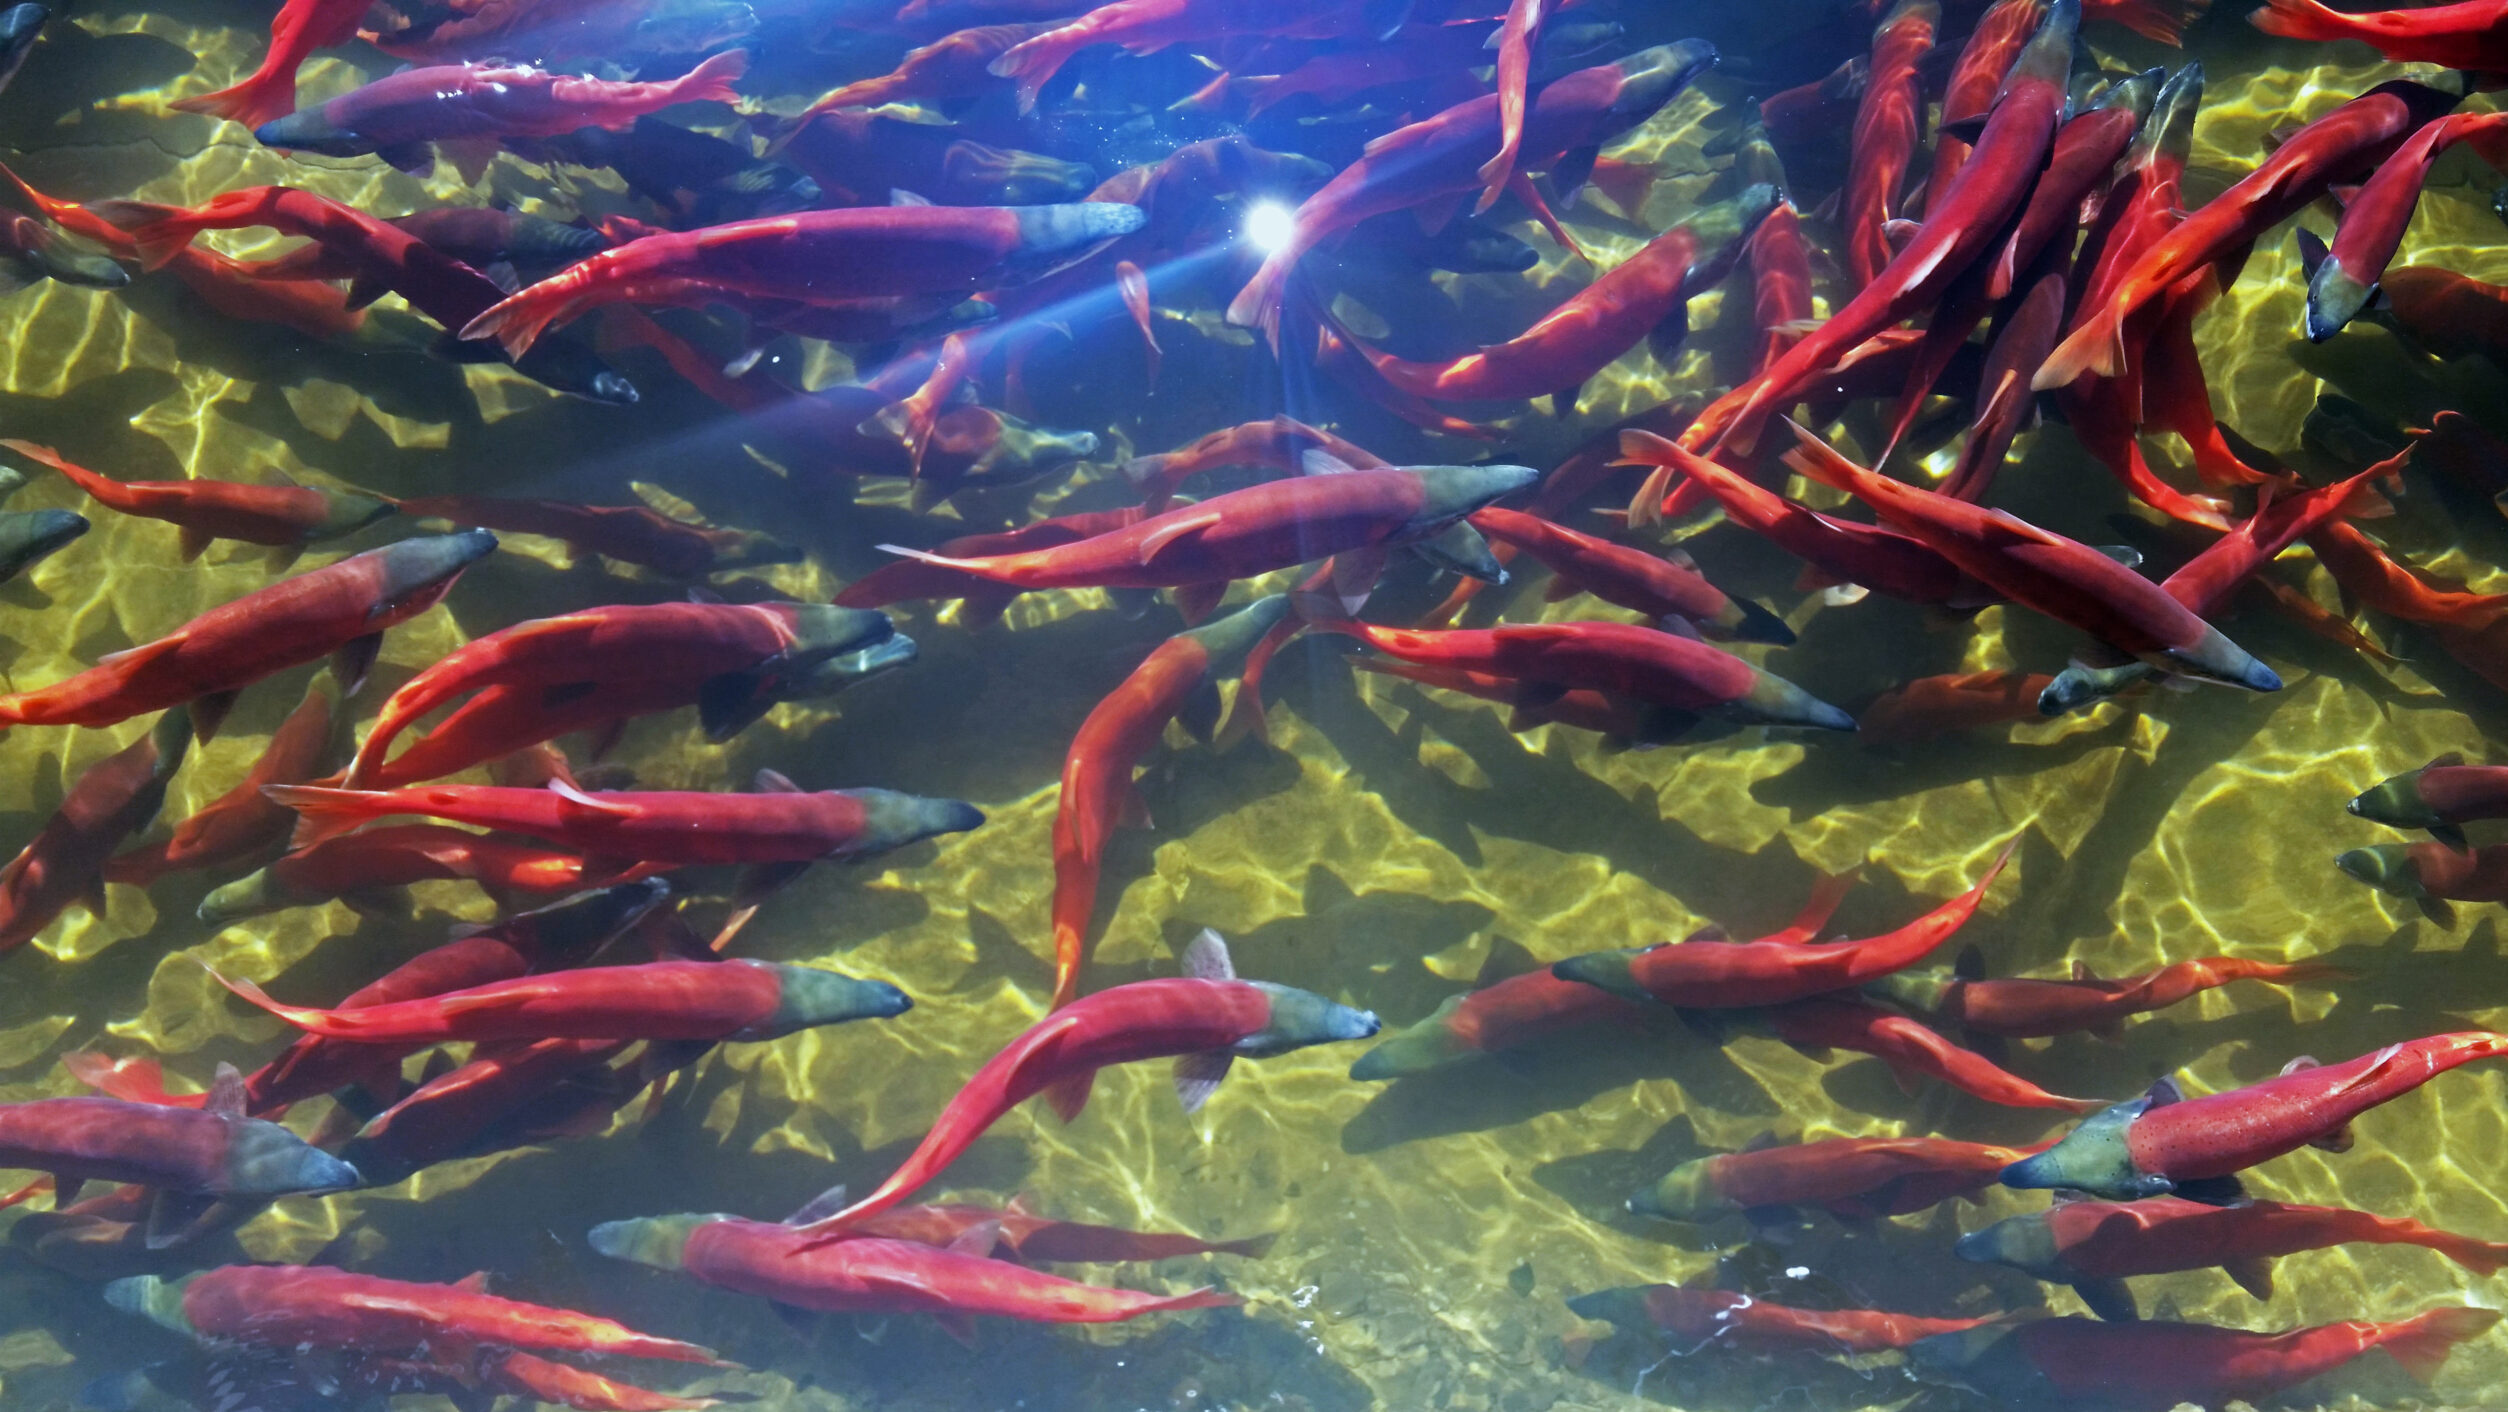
[(2110, 1299), (226, 1093), (2254, 1274), (1158, 541), (1200, 713), (956, 1324), (416, 158), (193, 542), (729, 703), (1198, 1076), (209, 712), (568, 792), (1069, 1095), (2437, 910), (820, 1207), (470, 156), (977, 1240), (350, 664), (2452, 836), (175, 1217)]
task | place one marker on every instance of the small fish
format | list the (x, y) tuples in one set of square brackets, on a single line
[(340, 608), (1852, 1178), (1028, 1236), (2163, 1142), (356, 868), (2094, 1246), (1708, 974), (1719, 1318), (28, 537), (283, 517), (747, 1001), (316, 1306), (1630, 578), (2152, 1367), (1178, 680), (2019, 1007), (193, 1158), (111, 800), (2470, 35), (1204, 1020)]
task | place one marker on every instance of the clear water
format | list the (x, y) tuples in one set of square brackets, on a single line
[(1388, 844)]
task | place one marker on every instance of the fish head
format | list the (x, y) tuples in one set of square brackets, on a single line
[(2094, 1157), (264, 1159), (1300, 1018), (2213, 657), (1614, 971), (1225, 640), (2135, 93), (416, 568), (249, 896), (346, 511), (658, 1241), (894, 820), (1448, 493), (2388, 867), (2048, 57), (1774, 701), (1624, 1307), (2167, 135), (1427, 1045), (808, 997), (823, 630), (2025, 1242), (830, 675), (1653, 77), (153, 1298), (2077, 686), (70, 259), (2395, 801), (1460, 549), (1980, 1359), (312, 130), (1686, 1193), (27, 537), (568, 365)]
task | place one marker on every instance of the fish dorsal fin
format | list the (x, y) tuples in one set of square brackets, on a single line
[(476, 1282), (2163, 1092), (1969, 964), (1316, 461), (1198, 1076), (820, 1207), (899, 196), (1157, 540), (2254, 1274), (702, 594), (2451, 760), (2300, 1065), (977, 1240), (567, 790), (226, 1093), (775, 782), (1205, 958)]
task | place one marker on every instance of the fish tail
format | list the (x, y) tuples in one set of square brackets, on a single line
[(98, 487), (2161, 21), (712, 80), (2422, 1344), (302, 1017), (2302, 19), (1820, 461), (1257, 305), (265, 96), (1032, 63), (131, 1080), (2482, 1257), (2302, 972), (321, 813)]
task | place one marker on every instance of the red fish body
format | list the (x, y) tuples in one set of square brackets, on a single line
[(1496, 1017), (1278, 444), (2353, 137), (1718, 1318), (315, 1306), (1780, 273), (658, 826), (911, 580), (1147, 26), (498, 721), (1256, 530), (2376, 218), (1630, 578), (1517, 34), (1097, 792), (1441, 156), (713, 650), (2432, 874), (399, 114), (241, 824), (1853, 1178), (354, 867), (1623, 659), (2062, 578), (1593, 327), (2150, 1367), (213, 1151), (65, 863), (1911, 1051), (1028, 1236), (1616, 718), (1887, 125), (283, 516), (2160, 1143), (707, 1000), (1993, 43), (868, 1275), (822, 258), (297, 620), (470, 1110), (1706, 975), (2022, 1008), (2471, 35), (947, 68), (1930, 706), (2095, 1245), (1202, 1019), (2448, 313)]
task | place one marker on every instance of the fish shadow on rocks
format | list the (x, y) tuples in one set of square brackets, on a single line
[(1551, 1075), (65, 88), (1327, 945)]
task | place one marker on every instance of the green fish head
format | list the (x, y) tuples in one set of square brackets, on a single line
[(1430, 1044), (2092, 1158), (1686, 1193), (658, 1241), (2395, 801), (1300, 1018)]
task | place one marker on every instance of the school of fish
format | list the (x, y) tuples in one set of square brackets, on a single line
[(1933, 256)]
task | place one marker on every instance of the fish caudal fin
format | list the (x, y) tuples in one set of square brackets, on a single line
[(1032, 63), (2422, 1344), (2161, 21), (1203, 1298), (320, 813), (301, 1017), (712, 80), (2303, 19), (265, 97)]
